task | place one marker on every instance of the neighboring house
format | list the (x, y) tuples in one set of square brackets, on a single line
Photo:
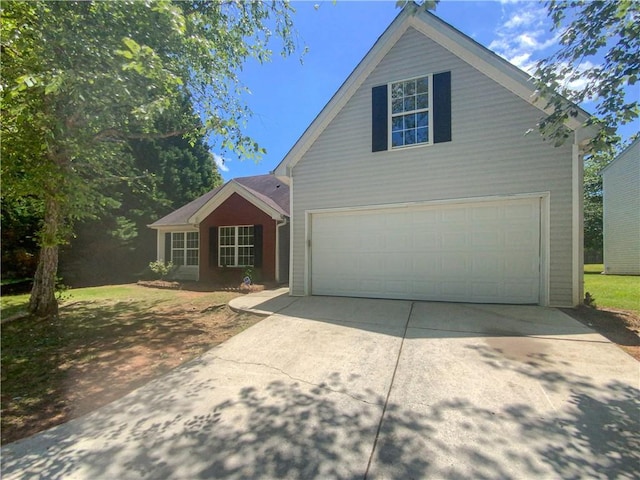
[(217, 237), (621, 212), (417, 180)]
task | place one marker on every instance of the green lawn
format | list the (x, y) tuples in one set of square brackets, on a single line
[(612, 291), (13, 304)]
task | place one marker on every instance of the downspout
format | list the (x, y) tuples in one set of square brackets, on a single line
[(279, 223)]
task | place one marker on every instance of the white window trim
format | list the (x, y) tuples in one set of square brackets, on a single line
[(185, 248), (236, 246), (390, 114)]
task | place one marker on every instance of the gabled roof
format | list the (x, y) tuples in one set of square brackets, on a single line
[(503, 72), (266, 192)]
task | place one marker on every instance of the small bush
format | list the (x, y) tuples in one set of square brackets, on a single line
[(589, 300), (160, 269), (250, 274)]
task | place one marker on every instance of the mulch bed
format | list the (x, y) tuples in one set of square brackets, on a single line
[(201, 286)]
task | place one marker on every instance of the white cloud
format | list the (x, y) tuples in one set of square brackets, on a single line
[(580, 82), (521, 19), (220, 162), (523, 61), (524, 34)]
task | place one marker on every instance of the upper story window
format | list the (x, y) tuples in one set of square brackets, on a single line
[(410, 101), (415, 111)]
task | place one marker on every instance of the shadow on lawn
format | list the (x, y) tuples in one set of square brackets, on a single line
[(49, 372), (189, 425)]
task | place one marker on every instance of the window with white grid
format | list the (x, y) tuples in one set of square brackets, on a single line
[(410, 106), (235, 246), (185, 248)]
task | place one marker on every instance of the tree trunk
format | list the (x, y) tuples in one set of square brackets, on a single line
[(43, 301)]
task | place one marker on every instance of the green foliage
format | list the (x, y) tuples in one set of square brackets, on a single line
[(588, 32), (593, 202), (424, 4), (161, 269), (117, 245), (21, 220), (250, 273), (81, 80)]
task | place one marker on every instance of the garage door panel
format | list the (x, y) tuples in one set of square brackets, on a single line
[(487, 240), (486, 290), (454, 216), (475, 252), (487, 266)]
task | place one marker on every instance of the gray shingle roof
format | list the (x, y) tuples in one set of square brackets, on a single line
[(266, 188)]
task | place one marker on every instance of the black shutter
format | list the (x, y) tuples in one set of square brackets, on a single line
[(213, 246), (257, 246), (442, 107), (379, 120), (167, 247)]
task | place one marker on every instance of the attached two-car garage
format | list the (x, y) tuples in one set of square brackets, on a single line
[(482, 251)]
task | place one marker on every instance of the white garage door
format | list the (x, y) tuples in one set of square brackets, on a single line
[(485, 252)]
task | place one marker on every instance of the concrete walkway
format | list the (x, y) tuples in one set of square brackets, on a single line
[(354, 388)]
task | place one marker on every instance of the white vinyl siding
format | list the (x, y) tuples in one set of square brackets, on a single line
[(489, 155), (621, 213)]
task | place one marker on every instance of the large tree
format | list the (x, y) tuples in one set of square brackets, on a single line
[(80, 79), (598, 60), (117, 245)]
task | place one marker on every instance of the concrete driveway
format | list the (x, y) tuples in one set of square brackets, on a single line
[(355, 388)]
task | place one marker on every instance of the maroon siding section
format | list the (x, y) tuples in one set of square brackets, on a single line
[(235, 210)]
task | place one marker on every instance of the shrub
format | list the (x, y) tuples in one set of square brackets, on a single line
[(161, 269)]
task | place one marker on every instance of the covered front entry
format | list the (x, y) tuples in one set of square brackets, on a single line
[(483, 252)]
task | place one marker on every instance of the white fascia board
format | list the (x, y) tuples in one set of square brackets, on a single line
[(382, 46), (224, 193), (187, 227)]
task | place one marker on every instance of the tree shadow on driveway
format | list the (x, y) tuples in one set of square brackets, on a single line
[(173, 429), (460, 405)]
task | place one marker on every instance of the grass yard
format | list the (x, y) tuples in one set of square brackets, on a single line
[(107, 342), (620, 292), (616, 315)]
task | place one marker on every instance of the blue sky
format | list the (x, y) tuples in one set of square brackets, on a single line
[(286, 95)]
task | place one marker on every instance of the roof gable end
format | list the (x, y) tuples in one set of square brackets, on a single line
[(255, 198), (459, 44), (265, 192)]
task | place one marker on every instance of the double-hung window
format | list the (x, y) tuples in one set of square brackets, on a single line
[(184, 248), (236, 246), (410, 112)]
